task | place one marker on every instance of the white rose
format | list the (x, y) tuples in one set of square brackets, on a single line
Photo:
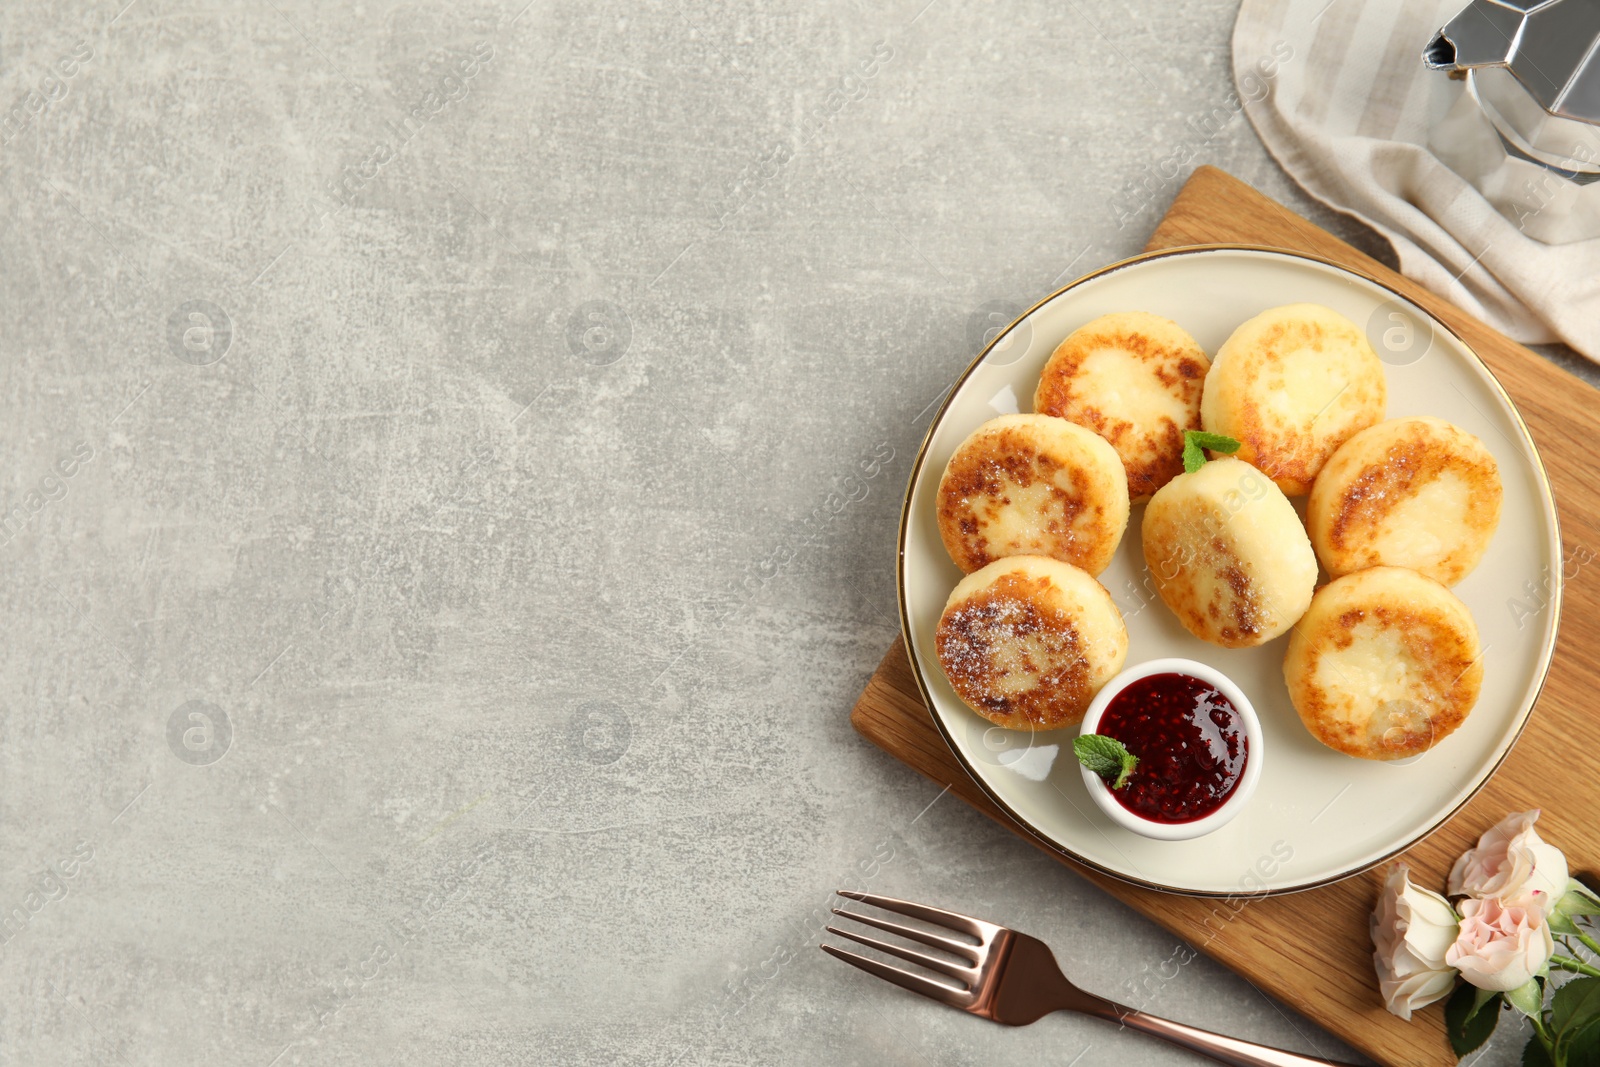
[(1500, 947), (1512, 863), (1412, 930)]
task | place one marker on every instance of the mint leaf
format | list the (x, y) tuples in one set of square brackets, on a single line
[(1466, 1021), (1195, 442), (1101, 754), (1105, 756)]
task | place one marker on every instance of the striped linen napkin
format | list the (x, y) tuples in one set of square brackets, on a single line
[(1338, 93)]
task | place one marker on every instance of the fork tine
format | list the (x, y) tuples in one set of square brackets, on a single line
[(937, 916), (921, 959), (956, 998), (949, 944)]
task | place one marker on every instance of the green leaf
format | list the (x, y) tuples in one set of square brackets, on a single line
[(1583, 893), (1481, 1001), (1534, 1054), (1468, 1025), (1583, 1048), (1527, 998), (1196, 441), (1578, 900), (1575, 1005), (1105, 756)]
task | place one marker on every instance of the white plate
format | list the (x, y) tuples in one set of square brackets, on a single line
[(1317, 815)]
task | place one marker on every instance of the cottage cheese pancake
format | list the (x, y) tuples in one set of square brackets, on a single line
[(1384, 665), (1033, 485), (1228, 555), (1416, 492), (1293, 384), (1028, 641), (1134, 379)]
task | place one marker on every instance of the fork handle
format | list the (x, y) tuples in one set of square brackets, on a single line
[(1228, 1050)]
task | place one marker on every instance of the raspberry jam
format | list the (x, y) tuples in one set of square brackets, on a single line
[(1190, 741)]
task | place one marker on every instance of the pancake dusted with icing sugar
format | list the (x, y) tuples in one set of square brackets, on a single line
[(1228, 555), (1384, 665), (1414, 492), (1033, 485), (1292, 385), (1028, 641), (1134, 379)]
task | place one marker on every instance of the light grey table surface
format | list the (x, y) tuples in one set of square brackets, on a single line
[(440, 554)]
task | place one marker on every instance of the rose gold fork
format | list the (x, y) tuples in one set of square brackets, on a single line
[(1012, 978)]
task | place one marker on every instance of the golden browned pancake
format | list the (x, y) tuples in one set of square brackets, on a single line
[(1293, 384), (1416, 492), (1384, 665), (1228, 554), (1033, 485), (1134, 379), (1028, 641)]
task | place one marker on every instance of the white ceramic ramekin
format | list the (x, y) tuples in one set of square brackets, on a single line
[(1177, 831)]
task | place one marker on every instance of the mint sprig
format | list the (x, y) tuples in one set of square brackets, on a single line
[(1105, 756), (1195, 442)]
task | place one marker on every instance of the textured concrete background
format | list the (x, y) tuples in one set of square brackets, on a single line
[(451, 462)]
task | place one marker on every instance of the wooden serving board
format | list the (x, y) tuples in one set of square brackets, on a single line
[(1328, 975)]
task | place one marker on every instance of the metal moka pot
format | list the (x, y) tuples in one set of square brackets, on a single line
[(1526, 132)]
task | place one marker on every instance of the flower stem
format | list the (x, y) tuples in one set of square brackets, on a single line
[(1568, 964), (1589, 943)]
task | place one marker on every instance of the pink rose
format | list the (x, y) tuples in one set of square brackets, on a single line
[(1512, 863), (1412, 929), (1499, 947)]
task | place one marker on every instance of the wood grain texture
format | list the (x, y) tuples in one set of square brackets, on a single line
[(1329, 977)]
